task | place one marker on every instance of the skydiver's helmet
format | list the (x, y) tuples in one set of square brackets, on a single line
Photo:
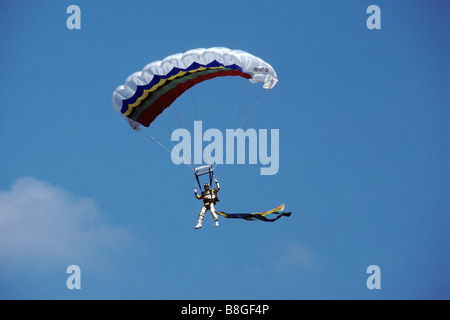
[(206, 186)]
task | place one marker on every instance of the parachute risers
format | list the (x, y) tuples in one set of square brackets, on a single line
[(199, 171), (262, 216)]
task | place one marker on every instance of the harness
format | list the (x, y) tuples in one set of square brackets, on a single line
[(212, 197)]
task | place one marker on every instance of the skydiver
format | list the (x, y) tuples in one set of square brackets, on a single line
[(210, 198)]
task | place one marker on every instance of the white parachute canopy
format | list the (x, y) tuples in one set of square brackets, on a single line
[(147, 93)]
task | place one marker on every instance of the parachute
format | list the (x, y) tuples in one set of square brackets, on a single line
[(147, 93)]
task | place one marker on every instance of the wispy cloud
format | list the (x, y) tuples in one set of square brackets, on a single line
[(45, 224), (290, 255)]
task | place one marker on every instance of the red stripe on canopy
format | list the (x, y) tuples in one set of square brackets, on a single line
[(167, 99)]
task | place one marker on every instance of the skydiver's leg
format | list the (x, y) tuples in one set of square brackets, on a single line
[(214, 214), (201, 215)]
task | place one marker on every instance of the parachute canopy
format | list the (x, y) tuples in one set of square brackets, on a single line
[(146, 94)]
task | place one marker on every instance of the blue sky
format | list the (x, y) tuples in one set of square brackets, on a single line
[(364, 153)]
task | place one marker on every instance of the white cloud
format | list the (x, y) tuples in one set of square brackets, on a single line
[(45, 224)]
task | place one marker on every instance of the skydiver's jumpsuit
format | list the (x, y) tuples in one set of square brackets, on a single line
[(209, 200)]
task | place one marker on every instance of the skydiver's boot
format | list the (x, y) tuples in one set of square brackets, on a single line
[(217, 223), (198, 226)]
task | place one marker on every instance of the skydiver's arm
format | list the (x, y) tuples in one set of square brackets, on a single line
[(217, 186), (197, 196)]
